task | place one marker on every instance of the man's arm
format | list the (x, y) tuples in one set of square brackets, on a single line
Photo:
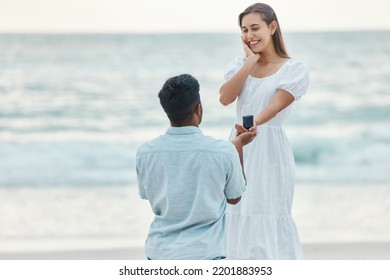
[(233, 200), (243, 137)]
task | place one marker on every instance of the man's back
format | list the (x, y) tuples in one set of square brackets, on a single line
[(187, 178)]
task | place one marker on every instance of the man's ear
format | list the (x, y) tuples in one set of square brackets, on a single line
[(198, 113), (198, 109)]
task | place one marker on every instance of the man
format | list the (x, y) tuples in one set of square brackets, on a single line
[(188, 178)]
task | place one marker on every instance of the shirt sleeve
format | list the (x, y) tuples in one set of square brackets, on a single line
[(235, 183), (295, 80), (233, 67)]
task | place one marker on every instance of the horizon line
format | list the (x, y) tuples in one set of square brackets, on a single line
[(102, 32)]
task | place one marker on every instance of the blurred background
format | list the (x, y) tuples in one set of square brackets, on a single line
[(78, 95)]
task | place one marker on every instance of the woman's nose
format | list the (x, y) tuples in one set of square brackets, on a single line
[(249, 35)]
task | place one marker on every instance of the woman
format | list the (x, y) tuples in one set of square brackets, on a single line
[(265, 83)]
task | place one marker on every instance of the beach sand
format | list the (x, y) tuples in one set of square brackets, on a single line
[(325, 251), (334, 223)]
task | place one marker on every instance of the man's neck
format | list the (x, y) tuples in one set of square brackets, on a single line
[(183, 125), (189, 123)]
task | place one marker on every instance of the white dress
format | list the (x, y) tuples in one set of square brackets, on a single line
[(261, 225)]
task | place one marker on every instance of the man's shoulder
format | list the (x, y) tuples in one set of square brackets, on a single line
[(218, 145), (202, 143), (150, 146)]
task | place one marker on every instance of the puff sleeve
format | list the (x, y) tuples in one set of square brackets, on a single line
[(233, 67), (295, 80)]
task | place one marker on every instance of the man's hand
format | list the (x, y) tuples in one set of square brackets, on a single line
[(244, 136)]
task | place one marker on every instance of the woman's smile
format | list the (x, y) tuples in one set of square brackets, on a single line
[(253, 43)]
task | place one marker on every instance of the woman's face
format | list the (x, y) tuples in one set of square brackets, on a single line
[(256, 33)]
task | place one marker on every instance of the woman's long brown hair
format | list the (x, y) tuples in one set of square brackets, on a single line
[(268, 15)]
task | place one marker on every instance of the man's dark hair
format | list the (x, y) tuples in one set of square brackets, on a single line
[(179, 96)]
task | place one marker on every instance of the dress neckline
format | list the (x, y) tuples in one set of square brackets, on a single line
[(274, 73)]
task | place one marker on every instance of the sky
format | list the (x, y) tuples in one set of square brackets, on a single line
[(166, 16)]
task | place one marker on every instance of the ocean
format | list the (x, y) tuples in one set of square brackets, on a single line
[(75, 107)]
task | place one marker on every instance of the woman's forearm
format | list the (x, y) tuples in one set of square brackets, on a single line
[(278, 102), (264, 116), (232, 88)]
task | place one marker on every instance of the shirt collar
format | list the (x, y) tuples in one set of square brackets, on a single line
[(184, 130)]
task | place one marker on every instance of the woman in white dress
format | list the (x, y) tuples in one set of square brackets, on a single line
[(265, 84)]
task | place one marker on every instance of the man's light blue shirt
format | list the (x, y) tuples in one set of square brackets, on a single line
[(187, 177)]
